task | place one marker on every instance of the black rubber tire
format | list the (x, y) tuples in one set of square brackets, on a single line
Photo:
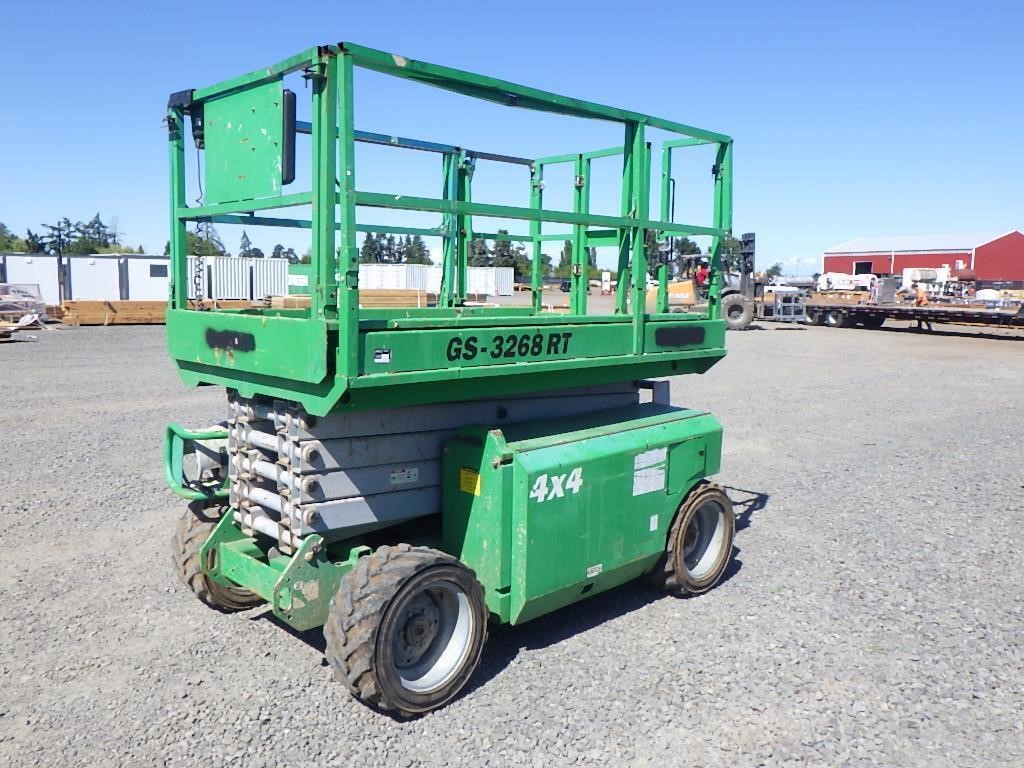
[(194, 527), (835, 318), (671, 573), (816, 318), (737, 311), (363, 616)]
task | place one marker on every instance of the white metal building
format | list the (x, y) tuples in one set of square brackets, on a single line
[(492, 281), (136, 277)]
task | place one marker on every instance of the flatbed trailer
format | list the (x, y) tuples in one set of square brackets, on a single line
[(848, 315)]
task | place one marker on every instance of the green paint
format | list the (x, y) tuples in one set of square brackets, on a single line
[(324, 357), (244, 144), (177, 442), (537, 509), (298, 588)]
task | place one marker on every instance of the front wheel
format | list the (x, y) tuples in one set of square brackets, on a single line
[(737, 311), (406, 628), (699, 545)]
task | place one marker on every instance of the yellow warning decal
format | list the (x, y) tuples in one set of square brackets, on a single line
[(469, 481)]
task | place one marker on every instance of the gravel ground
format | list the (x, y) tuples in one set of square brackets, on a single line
[(874, 614)]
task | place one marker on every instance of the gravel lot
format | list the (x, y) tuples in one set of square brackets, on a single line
[(874, 615)]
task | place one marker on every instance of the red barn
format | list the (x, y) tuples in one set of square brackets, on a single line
[(993, 257)]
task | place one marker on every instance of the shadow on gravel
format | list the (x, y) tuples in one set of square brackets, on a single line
[(980, 334), (314, 638), (746, 504), (505, 642)]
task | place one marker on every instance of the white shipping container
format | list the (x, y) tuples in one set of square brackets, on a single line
[(492, 281), (35, 269), (504, 278), (432, 279), (229, 278), (148, 278), (269, 277), (95, 278)]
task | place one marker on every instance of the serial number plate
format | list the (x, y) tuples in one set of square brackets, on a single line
[(509, 345)]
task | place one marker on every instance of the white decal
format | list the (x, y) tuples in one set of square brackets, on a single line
[(540, 488), (575, 480), (647, 458), (559, 484), (403, 476), (557, 491), (649, 473), (594, 570)]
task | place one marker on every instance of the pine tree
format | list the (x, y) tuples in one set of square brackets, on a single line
[(401, 249), (503, 252), (479, 255), (416, 251), (523, 263), (244, 245), (370, 252)]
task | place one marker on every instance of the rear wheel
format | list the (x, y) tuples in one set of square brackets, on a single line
[(816, 318), (194, 528), (699, 543), (835, 318), (406, 628)]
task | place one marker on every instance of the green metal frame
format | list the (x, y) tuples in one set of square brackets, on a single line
[(516, 543), (177, 442), (324, 357)]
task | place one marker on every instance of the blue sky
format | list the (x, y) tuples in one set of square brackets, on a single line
[(849, 119)]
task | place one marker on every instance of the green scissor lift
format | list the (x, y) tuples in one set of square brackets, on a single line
[(402, 476)]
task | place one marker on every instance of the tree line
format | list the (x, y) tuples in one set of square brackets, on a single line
[(205, 241), (95, 236), (66, 236)]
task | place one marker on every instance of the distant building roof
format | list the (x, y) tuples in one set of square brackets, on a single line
[(919, 243)]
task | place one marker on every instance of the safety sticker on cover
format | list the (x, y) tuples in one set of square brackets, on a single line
[(469, 481), (649, 473)]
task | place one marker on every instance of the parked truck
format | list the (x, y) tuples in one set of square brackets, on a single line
[(893, 299)]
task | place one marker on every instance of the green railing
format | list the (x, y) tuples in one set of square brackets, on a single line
[(246, 171)]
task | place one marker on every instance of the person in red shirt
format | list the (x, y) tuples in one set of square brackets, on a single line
[(700, 278)]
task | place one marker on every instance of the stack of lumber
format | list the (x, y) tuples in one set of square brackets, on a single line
[(81, 312), (113, 312)]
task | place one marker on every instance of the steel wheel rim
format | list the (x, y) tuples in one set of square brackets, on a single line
[(702, 540), (432, 637)]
